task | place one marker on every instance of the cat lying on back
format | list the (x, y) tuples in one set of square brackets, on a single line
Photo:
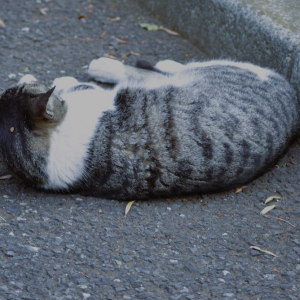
[(171, 130)]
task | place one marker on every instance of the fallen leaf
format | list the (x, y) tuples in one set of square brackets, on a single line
[(118, 249), (149, 26), (276, 270), (130, 53), (154, 27), (43, 11), (220, 215), (280, 219), (112, 7), (2, 219), (240, 189), (128, 206), (12, 129), (121, 41), (114, 19), (292, 163), (2, 24), (110, 56), (5, 177), (184, 200), (272, 198), (84, 275), (168, 30), (264, 251), (82, 17), (267, 209)]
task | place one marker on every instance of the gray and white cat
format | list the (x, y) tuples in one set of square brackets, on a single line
[(171, 130)]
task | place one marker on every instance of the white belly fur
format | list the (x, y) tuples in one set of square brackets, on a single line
[(69, 142)]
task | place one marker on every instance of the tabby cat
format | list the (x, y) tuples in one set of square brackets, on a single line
[(167, 130)]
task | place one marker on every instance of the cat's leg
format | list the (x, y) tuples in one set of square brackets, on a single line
[(112, 71), (27, 79), (262, 73)]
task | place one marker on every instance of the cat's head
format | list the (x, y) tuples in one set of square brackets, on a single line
[(34, 104)]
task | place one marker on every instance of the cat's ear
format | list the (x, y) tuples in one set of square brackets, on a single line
[(42, 107)]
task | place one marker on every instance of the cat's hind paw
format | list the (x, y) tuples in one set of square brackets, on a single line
[(169, 66), (106, 70), (27, 79)]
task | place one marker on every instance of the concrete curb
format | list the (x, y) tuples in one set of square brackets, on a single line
[(262, 32)]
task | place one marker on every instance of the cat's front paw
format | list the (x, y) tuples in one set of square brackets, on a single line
[(106, 70), (63, 84), (27, 79)]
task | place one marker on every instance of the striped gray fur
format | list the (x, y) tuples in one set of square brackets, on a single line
[(220, 130), (204, 128)]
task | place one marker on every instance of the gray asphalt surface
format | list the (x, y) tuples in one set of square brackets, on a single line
[(55, 246)]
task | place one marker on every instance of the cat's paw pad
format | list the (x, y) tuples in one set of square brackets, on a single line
[(106, 70), (169, 66), (27, 79)]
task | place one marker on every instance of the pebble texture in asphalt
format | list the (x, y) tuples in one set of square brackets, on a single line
[(55, 246)]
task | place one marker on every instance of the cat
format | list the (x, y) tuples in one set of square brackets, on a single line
[(160, 131)]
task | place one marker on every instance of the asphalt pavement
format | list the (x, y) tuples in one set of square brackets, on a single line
[(56, 246)]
